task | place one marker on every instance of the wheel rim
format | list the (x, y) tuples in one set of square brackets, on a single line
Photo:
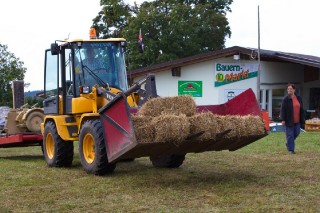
[(35, 123), (49, 146), (88, 148)]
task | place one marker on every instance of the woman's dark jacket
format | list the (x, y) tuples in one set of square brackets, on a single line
[(286, 113)]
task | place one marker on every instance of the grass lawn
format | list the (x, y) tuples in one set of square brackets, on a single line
[(261, 177)]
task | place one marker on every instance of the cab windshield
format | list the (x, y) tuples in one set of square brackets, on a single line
[(100, 63)]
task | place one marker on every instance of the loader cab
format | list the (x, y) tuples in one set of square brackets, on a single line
[(75, 67)]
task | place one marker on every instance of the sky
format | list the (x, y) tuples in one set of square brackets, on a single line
[(29, 27)]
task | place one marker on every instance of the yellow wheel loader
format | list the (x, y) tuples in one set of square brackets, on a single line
[(87, 99)]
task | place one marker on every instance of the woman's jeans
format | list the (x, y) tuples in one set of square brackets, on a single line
[(292, 133)]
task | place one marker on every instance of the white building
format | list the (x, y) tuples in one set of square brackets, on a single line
[(215, 77)]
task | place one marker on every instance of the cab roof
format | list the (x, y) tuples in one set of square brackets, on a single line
[(96, 40), (66, 41)]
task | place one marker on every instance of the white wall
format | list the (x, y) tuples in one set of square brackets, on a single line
[(272, 72), (273, 76), (167, 85)]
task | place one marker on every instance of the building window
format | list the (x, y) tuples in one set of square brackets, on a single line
[(176, 71), (264, 99), (277, 96)]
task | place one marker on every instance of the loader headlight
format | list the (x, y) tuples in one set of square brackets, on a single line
[(84, 89)]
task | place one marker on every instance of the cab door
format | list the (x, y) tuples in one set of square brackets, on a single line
[(51, 84)]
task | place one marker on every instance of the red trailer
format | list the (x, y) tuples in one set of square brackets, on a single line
[(22, 128), (20, 140)]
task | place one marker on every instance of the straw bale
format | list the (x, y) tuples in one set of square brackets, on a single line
[(207, 122), (253, 125), (232, 122), (243, 125), (171, 128), (144, 129), (169, 105)]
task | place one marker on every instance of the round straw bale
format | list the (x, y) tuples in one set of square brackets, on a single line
[(144, 130), (204, 122), (175, 105), (171, 128)]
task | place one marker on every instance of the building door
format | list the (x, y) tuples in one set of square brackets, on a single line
[(314, 100), (277, 96)]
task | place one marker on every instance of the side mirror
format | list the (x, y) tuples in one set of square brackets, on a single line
[(124, 45), (54, 49)]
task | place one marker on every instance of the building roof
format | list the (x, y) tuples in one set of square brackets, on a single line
[(244, 53)]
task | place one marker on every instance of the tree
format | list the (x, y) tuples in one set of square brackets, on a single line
[(171, 29), (112, 19), (11, 68), (33, 101)]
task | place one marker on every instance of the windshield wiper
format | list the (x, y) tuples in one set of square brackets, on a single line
[(93, 75)]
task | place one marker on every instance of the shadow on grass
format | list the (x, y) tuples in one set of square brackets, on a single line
[(23, 157), (141, 173)]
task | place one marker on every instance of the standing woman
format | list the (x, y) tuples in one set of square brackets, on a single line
[(292, 116)]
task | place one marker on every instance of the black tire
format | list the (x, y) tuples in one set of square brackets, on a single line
[(167, 161), (57, 152), (92, 149)]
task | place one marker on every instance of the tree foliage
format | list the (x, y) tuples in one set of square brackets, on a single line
[(112, 19), (171, 29), (33, 101), (11, 68)]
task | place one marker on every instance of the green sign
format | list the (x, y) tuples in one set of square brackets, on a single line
[(193, 88)]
